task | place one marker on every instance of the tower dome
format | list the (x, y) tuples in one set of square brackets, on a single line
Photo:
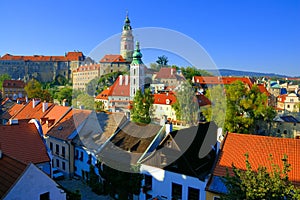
[(137, 55)]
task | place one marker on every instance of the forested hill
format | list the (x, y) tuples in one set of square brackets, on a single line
[(228, 72)]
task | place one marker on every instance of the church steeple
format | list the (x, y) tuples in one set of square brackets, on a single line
[(126, 48), (137, 72)]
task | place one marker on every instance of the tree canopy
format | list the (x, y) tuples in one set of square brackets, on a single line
[(162, 60), (260, 183), (186, 106), (4, 77), (142, 106), (34, 90), (189, 72)]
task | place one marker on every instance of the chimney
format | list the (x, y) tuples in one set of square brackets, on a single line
[(26, 99), (44, 106), (126, 79), (127, 115), (120, 79), (35, 102), (65, 102), (172, 71), (169, 127)]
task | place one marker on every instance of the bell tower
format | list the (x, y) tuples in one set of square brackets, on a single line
[(137, 72), (126, 48)]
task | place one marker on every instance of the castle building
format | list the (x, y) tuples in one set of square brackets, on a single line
[(84, 74), (126, 47), (42, 68)]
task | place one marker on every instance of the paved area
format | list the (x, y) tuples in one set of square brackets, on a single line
[(85, 190)]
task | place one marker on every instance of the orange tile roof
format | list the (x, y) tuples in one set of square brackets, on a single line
[(13, 111), (68, 124), (109, 58), (71, 56), (122, 89), (259, 148), (104, 94), (83, 68), (28, 112), (282, 98), (52, 116), (203, 100), (162, 98), (263, 89), (23, 142), (10, 171), (13, 84), (214, 80)]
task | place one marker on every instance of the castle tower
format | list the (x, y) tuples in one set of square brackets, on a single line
[(126, 48), (137, 74)]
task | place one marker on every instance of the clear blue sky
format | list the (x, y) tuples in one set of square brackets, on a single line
[(245, 35)]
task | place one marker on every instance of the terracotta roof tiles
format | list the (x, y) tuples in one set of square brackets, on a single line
[(10, 171), (109, 58), (259, 148), (23, 142), (164, 98)]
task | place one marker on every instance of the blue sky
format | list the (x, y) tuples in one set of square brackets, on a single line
[(245, 35)]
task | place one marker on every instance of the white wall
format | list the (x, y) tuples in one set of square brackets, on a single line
[(162, 183), (32, 184)]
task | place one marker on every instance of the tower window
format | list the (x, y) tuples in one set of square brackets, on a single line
[(125, 46)]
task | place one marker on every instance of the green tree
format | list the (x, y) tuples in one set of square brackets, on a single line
[(189, 72), (142, 106), (64, 93), (186, 106), (162, 60), (99, 106), (84, 100), (260, 183), (4, 77), (245, 108), (34, 90), (216, 111)]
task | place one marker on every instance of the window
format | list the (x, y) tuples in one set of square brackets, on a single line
[(148, 182), (57, 163), (216, 198), (76, 154), (45, 196), (51, 146), (63, 151), (193, 193), (63, 165), (81, 156), (57, 149), (176, 191)]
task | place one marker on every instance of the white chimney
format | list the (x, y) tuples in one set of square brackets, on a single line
[(171, 71), (35, 102), (120, 79), (44, 106), (126, 79), (26, 99), (169, 127)]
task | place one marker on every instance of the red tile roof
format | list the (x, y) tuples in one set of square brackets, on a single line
[(13, 84), (104, 94), (121, 87), (263, 89), (71, 56), (91, 67), (215, 80), (282, 98), (259, 148), (168, 73), (28, 112), (23, 142), (109, 58), (68, 124), (164, 98), (10, 171), (13, 111), (52, 116), (203, 100)]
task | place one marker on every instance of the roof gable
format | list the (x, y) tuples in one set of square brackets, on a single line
[(23, 142), (109, 58)]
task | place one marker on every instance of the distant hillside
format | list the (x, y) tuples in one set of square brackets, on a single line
[(228, 72)]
